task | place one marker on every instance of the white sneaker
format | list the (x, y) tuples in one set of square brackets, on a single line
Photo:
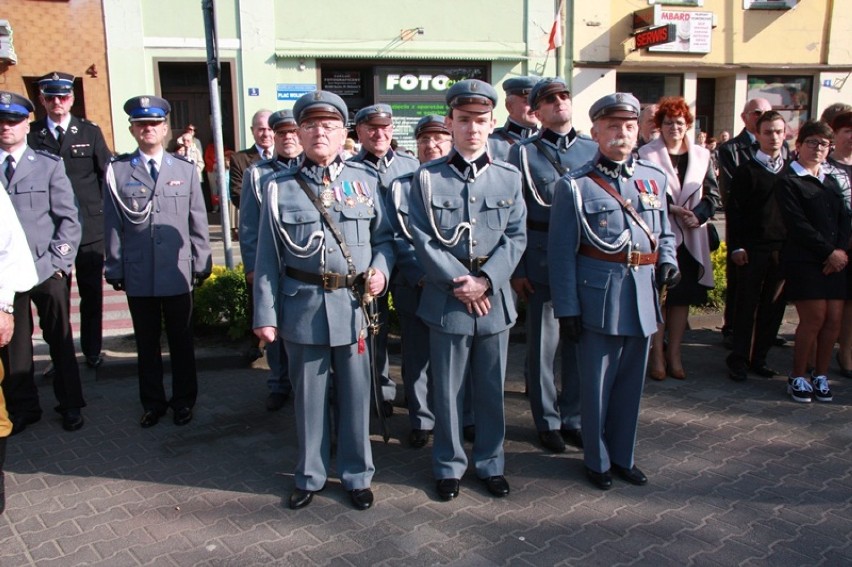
[(822, 392), (799, 389)]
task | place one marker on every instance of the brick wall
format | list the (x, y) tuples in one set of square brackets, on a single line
[(60, 35)]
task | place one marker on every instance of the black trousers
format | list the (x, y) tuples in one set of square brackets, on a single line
[(760, 306), (52, 300), (90, 278), (148, 314)]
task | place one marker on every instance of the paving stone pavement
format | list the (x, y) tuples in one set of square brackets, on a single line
[(739, 475)]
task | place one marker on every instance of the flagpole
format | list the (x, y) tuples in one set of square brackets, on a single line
[(560, 50)]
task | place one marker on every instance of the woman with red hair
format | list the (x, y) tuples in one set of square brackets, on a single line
[(692, 195)]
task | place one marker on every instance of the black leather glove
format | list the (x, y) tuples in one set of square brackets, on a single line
[(570, 328), (117, 285), (667, 275), (199, 277)]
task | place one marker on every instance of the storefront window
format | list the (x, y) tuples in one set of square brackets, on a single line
[(791, 96), (649, 87)]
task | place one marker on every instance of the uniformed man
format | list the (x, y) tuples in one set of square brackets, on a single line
[(324, 242), (467, 222), (434, 140), (521, 123), (44, 201), (543, 159), (157, 250), (288, 153), (610, 246), (17, 274), (374, 127), (85, 154)]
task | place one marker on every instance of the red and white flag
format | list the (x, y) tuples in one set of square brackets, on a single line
[(554, 40)]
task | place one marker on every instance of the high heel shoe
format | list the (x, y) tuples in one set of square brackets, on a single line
[(677, 373), (658, 375)]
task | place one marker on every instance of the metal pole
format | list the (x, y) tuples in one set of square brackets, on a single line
[(216, 114)]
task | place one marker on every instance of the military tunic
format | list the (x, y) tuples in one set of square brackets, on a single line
[(502, 139), (467, 218), (533, 158), (323, 329), (618, 304)]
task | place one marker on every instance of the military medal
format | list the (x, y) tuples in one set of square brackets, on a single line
[(648, 192), (327, 197)]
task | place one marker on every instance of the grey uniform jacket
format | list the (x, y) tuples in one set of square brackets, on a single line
[(483, 208), (409, 273), (155, 253), (44, 201), (612, 298), (540, 178), (293, 234), (388, 167), (504, 138)]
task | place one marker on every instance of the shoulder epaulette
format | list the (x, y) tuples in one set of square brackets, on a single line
[(87, 121), (404, 177), (121, 157), (436, 162), (182, 158), (651, 164), (504, 165), (358, 165), (44, 153), (283, 173), (580, 171)]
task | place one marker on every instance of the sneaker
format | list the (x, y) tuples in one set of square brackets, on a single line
[(799, 389), (822, 392)]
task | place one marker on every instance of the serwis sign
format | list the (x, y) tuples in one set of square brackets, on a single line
[(655, 36)]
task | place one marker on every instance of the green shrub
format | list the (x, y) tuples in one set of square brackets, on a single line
[(716, 296), (222, 302)]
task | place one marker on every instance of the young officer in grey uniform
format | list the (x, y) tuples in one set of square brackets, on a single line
[(288, 154), (157, 249), (44, 202), (324, 239), (543, 159), (467, 222), (374, 126), (521, 123), (610, 247), (434, 140)]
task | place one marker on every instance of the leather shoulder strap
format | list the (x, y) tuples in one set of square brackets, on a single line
[(550, 157), (597, 178), (328, 221)]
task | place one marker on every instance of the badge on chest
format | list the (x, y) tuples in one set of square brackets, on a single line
[(649, 193)]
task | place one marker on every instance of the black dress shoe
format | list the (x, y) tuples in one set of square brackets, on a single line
[(572, 437), (149, 419), (496, 485), (763, 370), (95, 361), (448, 488), (362, 498), (738, 374), (387, 408), (469, 433), (21, 421), (602, 480), (275, 401), (49, 372), (300, 498), (552, 441), (418, 438), (633, 476), (72, 419), (183, 416)]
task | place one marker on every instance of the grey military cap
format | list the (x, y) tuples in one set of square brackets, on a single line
[(520, 86), (281, 117), (545, 88), (320, 104), (431, 123), (378, 114), (472, 95), (617, 102)]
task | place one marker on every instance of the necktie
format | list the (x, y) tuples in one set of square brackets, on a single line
[(10, 168), (152, 168), (60, 134), (267, 154)]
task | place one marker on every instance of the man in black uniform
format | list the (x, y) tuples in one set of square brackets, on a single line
[(85, 154)]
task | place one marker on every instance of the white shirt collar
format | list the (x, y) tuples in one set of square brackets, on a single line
[(51, 125), (17, 154), (802, 172), (261, 150), (158, 158)]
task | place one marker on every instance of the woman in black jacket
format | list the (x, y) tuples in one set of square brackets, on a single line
[(813, 258)]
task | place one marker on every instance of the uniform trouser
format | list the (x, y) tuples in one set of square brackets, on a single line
[(312, 367), (89, 270), (551, 411), (416, 372), (279, 372), (759, 312), (382, 364), (52, 300), (482, 358), (612, 373), (148, 314)]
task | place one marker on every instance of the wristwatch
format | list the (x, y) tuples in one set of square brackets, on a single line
[(7, 308)]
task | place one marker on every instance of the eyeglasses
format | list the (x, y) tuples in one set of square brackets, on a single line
[(61, 97), (285, 133), (817, 144), (314, 127), (674, 123), (555, 97), (375, 129), (432, 141)]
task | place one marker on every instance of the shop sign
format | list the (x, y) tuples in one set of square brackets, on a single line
[(694, 30), (293, 91), (655, 36), (422, 81)]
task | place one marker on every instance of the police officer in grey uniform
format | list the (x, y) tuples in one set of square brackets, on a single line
[(374, 126), (521, 123), (434, 140), (44, 202), (157, 250), (467, 222), (324, 241), (288, 154), (610, 247), (543, 159)]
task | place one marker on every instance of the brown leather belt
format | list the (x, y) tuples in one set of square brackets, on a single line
[(329, 281), (474, 264), (632, 259), (538, 226)]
